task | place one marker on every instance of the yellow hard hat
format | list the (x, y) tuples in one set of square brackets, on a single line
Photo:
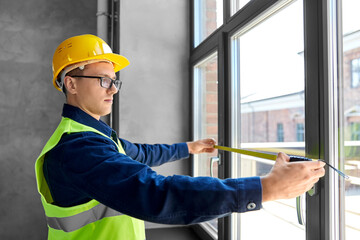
[(83, 48)]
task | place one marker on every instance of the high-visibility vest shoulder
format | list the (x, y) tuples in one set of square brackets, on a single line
[(91, 220)]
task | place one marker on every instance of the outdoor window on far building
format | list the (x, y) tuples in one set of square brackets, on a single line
[(300, 132), (355, 73), (355, 131), (280, 132)]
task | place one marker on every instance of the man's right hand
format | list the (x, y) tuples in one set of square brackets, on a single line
[(290, 179)]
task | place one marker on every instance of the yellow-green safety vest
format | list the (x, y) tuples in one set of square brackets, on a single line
[(91, 220)]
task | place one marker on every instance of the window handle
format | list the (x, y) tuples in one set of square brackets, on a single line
[(212, 161), (300, 209)]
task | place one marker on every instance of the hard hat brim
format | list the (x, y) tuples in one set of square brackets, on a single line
[(118, 61)]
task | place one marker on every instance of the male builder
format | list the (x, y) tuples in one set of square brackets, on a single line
[(94, 185)]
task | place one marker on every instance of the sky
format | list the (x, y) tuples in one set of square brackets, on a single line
[(351, 16), (271, 54)]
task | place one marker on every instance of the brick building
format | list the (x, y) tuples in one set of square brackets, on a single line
[(278, 119)]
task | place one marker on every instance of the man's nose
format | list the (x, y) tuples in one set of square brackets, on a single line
[(113, 89)]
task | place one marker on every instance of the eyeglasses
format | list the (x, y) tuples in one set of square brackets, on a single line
[(105, 82)]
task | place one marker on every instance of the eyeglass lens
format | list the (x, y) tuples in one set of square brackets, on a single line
[(107, 82)]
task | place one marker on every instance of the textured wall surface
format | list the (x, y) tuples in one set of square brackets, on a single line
[(154, 100), (155, 97), (30, 107)]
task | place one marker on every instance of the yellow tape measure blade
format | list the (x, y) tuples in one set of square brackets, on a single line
[(248, 152)]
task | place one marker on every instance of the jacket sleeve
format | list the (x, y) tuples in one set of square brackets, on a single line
[(100, 172), (155, 154)]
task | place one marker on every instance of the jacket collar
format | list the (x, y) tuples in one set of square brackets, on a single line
[(82, 117)]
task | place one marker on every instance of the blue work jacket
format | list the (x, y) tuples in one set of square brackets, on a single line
[(86, 165)]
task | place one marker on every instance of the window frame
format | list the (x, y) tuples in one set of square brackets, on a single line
[(322, 43)]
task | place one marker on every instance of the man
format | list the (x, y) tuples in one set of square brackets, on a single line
[(94, 185)]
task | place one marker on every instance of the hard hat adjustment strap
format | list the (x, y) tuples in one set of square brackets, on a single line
[(60, 81)]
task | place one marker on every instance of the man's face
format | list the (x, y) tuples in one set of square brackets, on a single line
[(90, 96)]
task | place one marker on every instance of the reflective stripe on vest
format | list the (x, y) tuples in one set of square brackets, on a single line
[(75, 222), (91, 220)]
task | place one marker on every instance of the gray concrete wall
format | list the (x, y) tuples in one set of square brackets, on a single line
[(154, 98), (154, 101), (30, 107)]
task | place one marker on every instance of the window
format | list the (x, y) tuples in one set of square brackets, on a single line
[(263, 103), (267, 53), (347, 192), (236, 5), (300, 132), (280, 132), (355, 73), (208, 16), (205, 123), (349, 160)]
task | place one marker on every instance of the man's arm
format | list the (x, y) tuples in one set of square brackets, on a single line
[(285, 180), (157, 154), (94, 167)]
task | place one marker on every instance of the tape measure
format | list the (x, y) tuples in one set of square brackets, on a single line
[(268, 156), (272, 156), (264, 155)]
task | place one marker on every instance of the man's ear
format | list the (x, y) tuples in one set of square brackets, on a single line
[(70, 84)]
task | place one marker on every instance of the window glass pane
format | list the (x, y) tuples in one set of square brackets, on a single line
[(350, 160), (236, 5), (268, 110), (208, 16), (205, 116)]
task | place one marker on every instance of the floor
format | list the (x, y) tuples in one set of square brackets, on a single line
[(178, 233)]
